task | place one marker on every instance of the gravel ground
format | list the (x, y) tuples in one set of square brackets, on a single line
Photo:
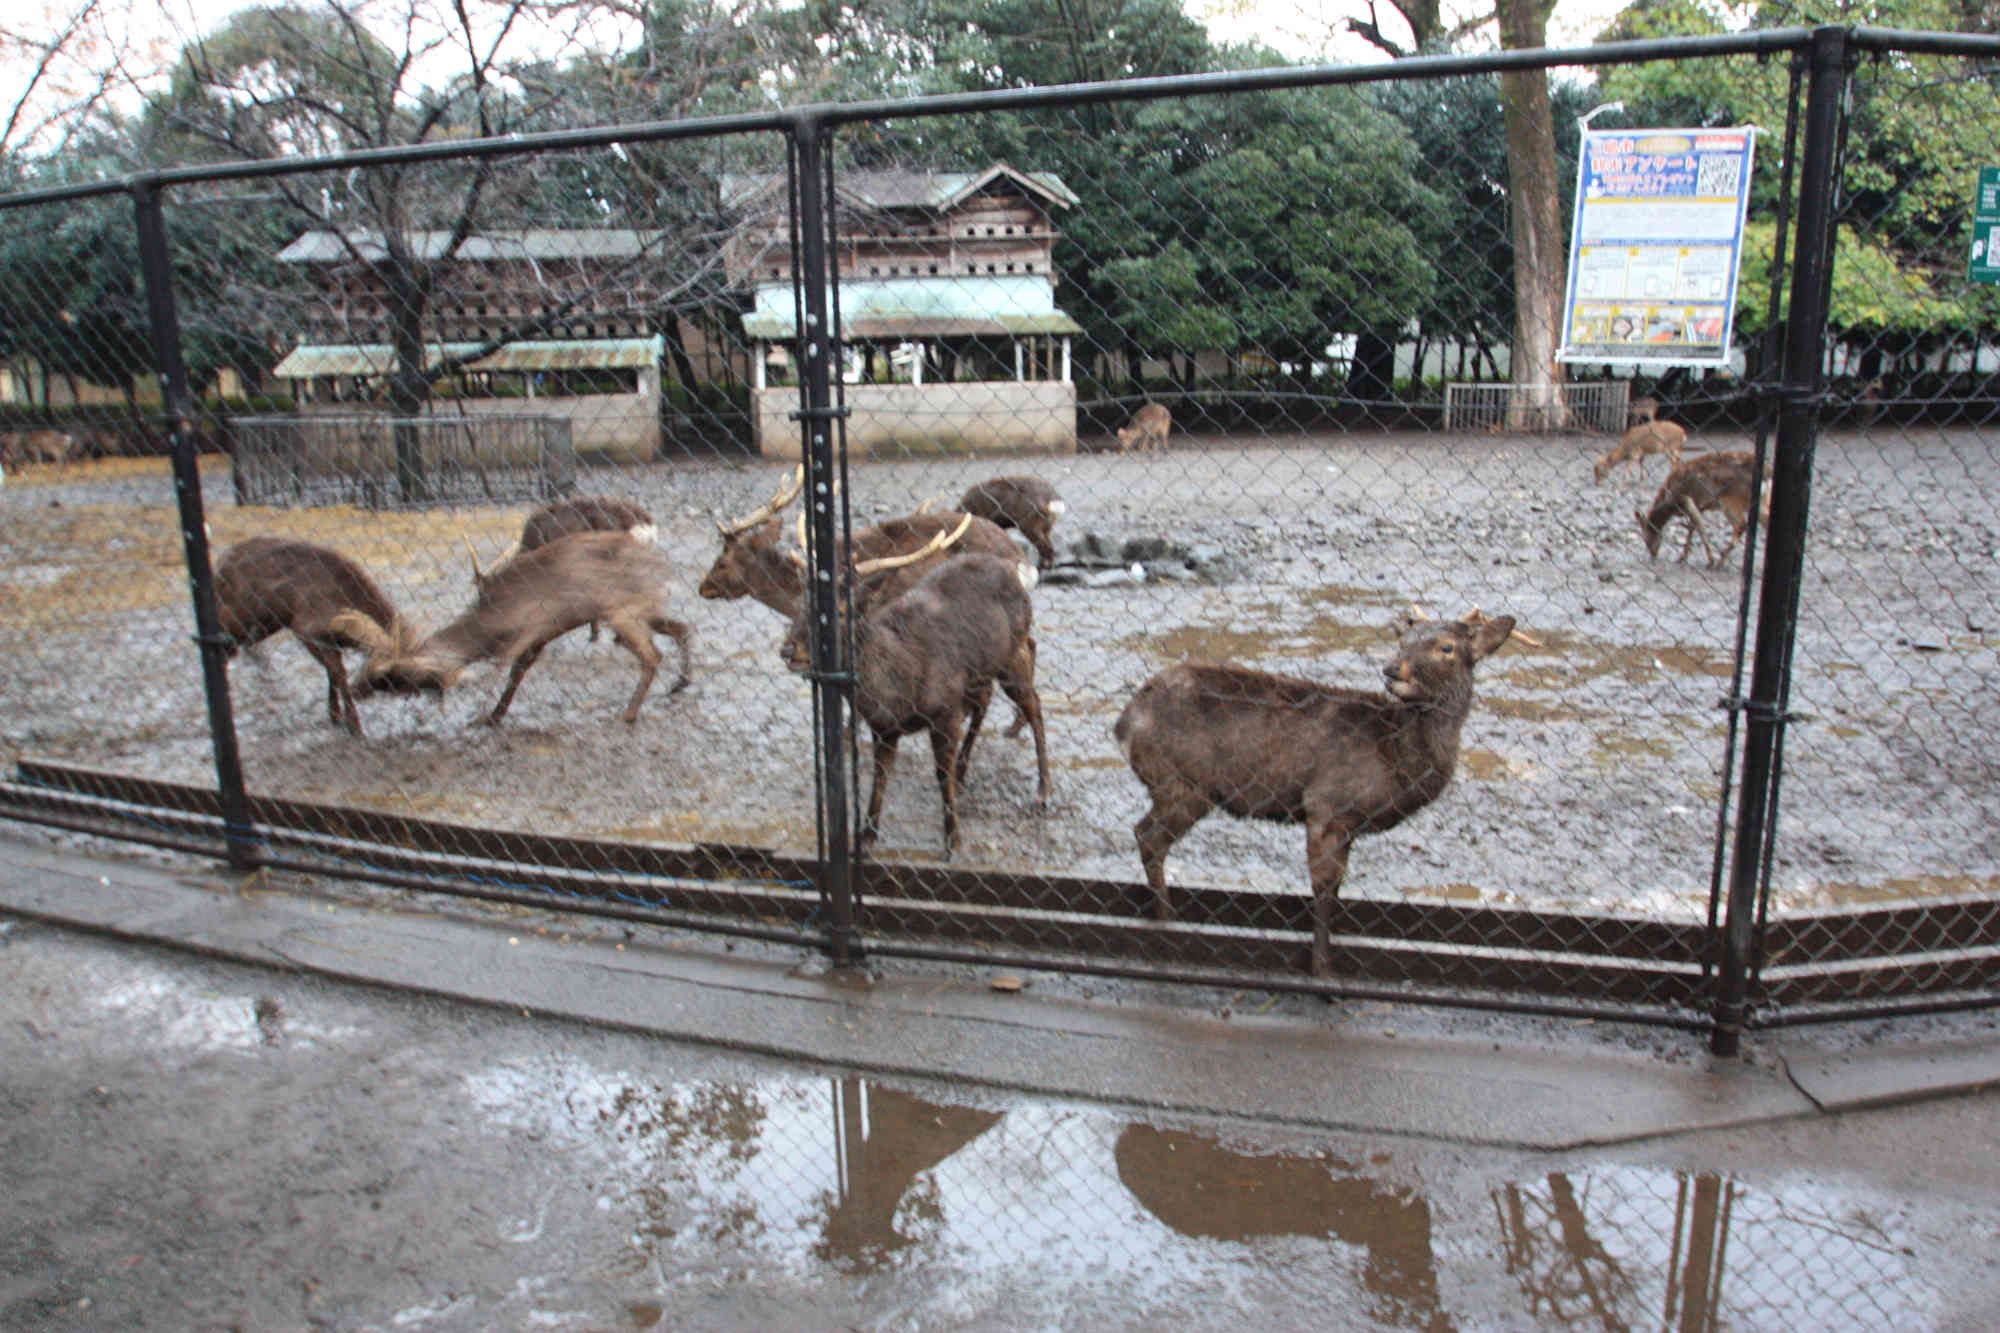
[(1592, 767)]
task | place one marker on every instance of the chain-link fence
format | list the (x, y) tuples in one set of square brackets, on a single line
[(599, 417)]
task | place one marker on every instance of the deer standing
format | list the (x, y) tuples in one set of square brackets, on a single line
[(1723, 481), (267, 584), (927, 660), (1343, 762), (1147, 431), (535, 598)]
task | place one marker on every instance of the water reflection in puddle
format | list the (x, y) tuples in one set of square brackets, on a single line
[(953, 1208)]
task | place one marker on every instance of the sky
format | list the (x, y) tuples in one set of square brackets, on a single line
[(149, 32)]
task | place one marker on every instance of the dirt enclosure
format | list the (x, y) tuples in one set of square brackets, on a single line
[(1592, 762)]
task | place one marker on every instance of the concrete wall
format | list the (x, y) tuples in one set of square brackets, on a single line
[(921, 420)]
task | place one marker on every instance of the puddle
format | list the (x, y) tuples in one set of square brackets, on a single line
[(1056, 1203)]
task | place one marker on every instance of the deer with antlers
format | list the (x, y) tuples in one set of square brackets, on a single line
[(928, 658), (535, 598)]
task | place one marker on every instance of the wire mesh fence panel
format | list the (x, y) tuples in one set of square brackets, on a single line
[(1889, 794), (1264, 481), (95, 619), (1294, 543)]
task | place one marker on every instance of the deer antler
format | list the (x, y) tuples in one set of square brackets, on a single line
[(787, 492), (1477, 617), (478, 575), (936, 544)]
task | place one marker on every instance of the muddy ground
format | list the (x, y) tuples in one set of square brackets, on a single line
[(1593, 763)]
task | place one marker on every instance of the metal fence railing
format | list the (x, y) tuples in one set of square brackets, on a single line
[(1240, 372), (376, 461)]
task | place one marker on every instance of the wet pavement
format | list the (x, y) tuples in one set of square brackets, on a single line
[(192, 1141)]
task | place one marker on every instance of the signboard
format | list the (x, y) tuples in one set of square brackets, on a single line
[(1656, 245), (1986, 227)]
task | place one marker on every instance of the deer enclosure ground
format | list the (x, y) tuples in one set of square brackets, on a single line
[(1591, 768)]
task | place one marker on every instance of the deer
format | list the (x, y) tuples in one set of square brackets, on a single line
[(532, 600), (582, 513), (927, 659), (1343, 762), (752, 564), (1650, 436), (1723, 481), (1147, 431), (329, 603), (1027, 504), (37, 446), (1643, 409)]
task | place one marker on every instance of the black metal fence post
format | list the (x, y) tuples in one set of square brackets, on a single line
[(243, 845), (1784, 552), (833, 676)]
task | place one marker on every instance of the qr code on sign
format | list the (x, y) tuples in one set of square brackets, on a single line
[(1718, 175)]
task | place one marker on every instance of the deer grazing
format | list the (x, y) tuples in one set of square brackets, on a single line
[(533, 599), (927, 660), (1147, 431), (1027, 504), (267, 584), (1650, 436), (1343, 762), (1723, 481)]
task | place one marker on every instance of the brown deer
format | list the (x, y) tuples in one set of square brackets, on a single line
[(1147, 430), (1646, 408), (753, 564), (1343, 762), (1648, 437), (1721, 481), (582, 513), (927, 660), (267, 584), (1027, 504), (535, 598), (37, 446)]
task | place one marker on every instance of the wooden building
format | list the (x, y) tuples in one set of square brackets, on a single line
[(947, 302), (596, 362)]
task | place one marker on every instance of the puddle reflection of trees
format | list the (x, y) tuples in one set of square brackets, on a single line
[(871, 1181)]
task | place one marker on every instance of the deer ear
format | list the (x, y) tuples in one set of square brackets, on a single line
[(1488, 635)]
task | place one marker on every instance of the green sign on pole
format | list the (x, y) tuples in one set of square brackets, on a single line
[(1986, 228)]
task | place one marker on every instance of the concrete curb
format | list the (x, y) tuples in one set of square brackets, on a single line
[(1276, 1069)]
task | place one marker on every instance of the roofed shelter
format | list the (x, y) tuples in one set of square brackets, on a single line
[(598, 364), (947, 304)]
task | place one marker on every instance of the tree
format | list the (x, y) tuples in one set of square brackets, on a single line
[(291, 80)]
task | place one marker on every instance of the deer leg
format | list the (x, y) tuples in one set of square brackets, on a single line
[(682, 636), (976, 700), (1020, 687), (1696, 528), (522, 661), (944, 759), (1326, 858), (1020, 716), (1176, 809), (339, 701), (638, 641), (885, 760)]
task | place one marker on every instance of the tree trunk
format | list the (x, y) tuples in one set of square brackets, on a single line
[(1535, 211), (409, 385), (1374, 366)]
